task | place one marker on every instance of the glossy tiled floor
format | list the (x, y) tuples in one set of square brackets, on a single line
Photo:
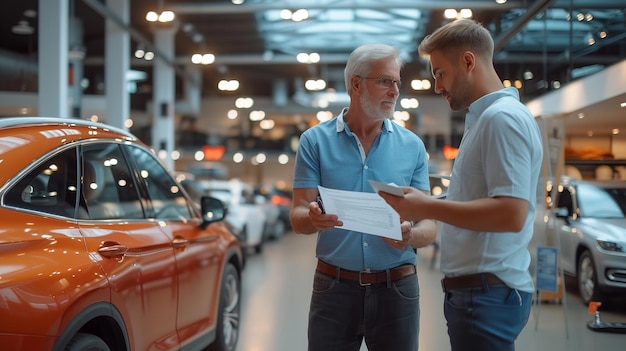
[(276, 287)]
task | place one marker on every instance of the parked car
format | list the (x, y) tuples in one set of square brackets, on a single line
[(101, 250), (281, 198), (589, 229), (275, 226), (246, 217), (195, 191)]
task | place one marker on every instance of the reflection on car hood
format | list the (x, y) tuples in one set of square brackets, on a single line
[(605, 228)]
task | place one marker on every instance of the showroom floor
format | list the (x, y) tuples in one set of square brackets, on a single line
[(276, 287)]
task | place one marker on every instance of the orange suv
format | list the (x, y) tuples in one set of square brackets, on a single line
[(101, 249)]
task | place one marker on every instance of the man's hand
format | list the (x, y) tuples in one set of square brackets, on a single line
[(406, 237), (412, 206), (321, 220)]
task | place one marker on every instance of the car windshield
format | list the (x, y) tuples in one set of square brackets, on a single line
[(598, 202)]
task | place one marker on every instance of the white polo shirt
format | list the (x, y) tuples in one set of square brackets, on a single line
[(500, 155)]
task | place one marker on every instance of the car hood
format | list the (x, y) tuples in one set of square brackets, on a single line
[(608, 229)]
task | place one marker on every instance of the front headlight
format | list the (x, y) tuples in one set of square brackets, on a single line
[(611, 246)]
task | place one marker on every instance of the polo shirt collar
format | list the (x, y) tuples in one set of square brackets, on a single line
[(479, 106), (341, 125)]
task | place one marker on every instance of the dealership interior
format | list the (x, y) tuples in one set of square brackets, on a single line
[(224, 88)]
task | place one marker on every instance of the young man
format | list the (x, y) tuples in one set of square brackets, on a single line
[(488, 214), (365, 286)]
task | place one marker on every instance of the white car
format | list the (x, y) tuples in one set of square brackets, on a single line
[(246, 217), (589, 226)]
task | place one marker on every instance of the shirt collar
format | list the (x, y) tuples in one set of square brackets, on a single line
[(479, 106), (341, 124)]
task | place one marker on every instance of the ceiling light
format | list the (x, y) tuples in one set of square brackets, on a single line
[(228, 85), (623, 104), (140, 52), (315, 84), (23, 28), (256, 115), (423, 84), (449, 13), (466, 13), (528, 74), (204, 59), (152, 16), (303, 57)]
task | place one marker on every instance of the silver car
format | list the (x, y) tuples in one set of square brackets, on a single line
[(589, 222)]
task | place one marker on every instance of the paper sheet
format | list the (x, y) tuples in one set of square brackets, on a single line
[(362, 212), (387, 188)]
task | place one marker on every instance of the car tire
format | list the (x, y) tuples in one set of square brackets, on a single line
[(587, 279), (86, 342), (228, 314)]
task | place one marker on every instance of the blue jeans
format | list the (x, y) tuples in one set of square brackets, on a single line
[(486, 318), (342, 313)]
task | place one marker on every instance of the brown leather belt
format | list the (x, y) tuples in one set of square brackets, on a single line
[(470, 281), (365, 277)]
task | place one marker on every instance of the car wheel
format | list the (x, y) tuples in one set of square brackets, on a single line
[(228, 318), (86, 342), (259, 248), (587, 278)]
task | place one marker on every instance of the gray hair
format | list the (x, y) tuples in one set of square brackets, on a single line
[(362, 58)]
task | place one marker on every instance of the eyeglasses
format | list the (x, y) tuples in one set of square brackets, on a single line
[(385, 82)]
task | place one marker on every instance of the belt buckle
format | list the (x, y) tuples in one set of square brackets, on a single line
[(361, 280)]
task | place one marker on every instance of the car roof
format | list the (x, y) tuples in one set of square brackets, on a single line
[(606, 184), (25, 139), (6, 122)]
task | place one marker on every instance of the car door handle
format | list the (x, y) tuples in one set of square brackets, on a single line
[(180, 242), (112, 249)]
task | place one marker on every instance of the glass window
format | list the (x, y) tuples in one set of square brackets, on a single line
[(597, 203), (50, 187), (166, 197), (108, 188)]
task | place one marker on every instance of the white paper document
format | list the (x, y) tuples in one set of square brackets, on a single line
[(362, 212), (387, 188)]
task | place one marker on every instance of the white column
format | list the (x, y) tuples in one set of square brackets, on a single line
[(193, 91), (53, 58), (117, 64), (164, 95)]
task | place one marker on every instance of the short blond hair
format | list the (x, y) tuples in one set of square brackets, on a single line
[(458, 36)]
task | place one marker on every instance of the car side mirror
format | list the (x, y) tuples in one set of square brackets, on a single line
[(213, 210), (561, 212)]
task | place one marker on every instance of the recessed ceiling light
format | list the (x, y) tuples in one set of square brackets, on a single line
[(623, 104)]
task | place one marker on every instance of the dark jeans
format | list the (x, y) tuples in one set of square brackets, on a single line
[(342, 313), (486, 319)]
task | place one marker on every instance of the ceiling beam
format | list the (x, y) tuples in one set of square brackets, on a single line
[(537, 7), (213, 9)]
